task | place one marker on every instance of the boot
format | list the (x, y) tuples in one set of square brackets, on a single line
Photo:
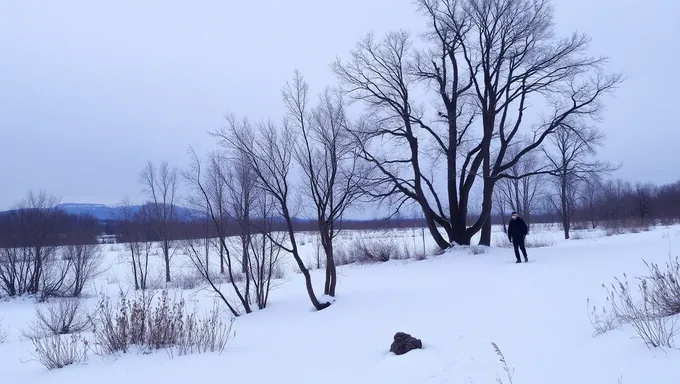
[(518, 261), (526, 259)]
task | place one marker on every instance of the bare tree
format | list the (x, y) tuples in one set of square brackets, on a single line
[(86, 261), (378, 75), (28, 247), (500, 203), (268, 151), (620, 206), (488, 58), (240, 182), (134, 232), (220, 194), (328, 158), (591, 189), (574, 147), (265, 254), (161, 187), (644, 195), (523, 189), (519, 59), (209, 194)]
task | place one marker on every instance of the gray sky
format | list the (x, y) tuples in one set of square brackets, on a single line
[(90, 90)]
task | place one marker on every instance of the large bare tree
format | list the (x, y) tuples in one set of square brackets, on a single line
[(269, 151), (328, 158), (160, 184), (488, 59)]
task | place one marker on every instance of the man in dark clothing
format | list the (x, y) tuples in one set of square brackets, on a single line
[(517, 231)]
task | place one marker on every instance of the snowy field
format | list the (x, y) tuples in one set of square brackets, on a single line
[(457, 303)]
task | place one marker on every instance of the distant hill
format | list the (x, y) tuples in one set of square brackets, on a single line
[(106, 213), (99, 211)]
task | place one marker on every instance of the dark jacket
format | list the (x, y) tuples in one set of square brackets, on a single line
[(517, 229)]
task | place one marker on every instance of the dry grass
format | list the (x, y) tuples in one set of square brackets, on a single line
[(539, 240), (3, 333), (57, 317), (137, 323), (366, 251), (615, 227), (478, 249), (187, 280), (58, 351), (509, 372), (652, 311)]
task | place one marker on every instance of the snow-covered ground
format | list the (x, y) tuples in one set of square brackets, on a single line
[(458, 303)]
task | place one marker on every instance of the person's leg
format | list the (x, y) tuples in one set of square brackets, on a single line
[(524, 250), (515, 244)]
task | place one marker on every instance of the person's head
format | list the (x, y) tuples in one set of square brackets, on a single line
[(514, 215)]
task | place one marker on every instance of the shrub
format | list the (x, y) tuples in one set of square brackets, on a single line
[(48, 271), (3, 333), (407, 253), (85, 261), (168, 325), (653, 315), (117, 327), (58, 317), (652, 327), (620, 227), (538, 241), (373, 251), (531, 241), (577, 235), (190, 280), (207, 334), (478, 249), (58, 351), (665, 294), (602, 322)]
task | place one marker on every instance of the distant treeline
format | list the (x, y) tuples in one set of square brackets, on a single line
[(29, 227), (613, 203)]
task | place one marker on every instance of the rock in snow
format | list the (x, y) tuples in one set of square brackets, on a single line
[(403, 342)]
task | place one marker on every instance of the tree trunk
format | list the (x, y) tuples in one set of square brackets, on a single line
[(434, 231), (221, 258), (325, 236), (485, 237), (487, 204), (565, 205), (301, 265), (244, 254), (166, 254), (134, 266), (331, 272), (458, 218)]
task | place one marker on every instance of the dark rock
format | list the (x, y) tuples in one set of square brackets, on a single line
[(403, 342)]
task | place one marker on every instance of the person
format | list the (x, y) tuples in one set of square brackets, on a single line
[(517, 231)]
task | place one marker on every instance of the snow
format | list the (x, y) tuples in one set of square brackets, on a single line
[(457, 303)]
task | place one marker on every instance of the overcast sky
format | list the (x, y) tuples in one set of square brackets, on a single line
[(90, 90)]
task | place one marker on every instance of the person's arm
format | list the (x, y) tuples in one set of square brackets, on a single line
[(509, 232)]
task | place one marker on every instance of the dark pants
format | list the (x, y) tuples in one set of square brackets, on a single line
[(518, 243)]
